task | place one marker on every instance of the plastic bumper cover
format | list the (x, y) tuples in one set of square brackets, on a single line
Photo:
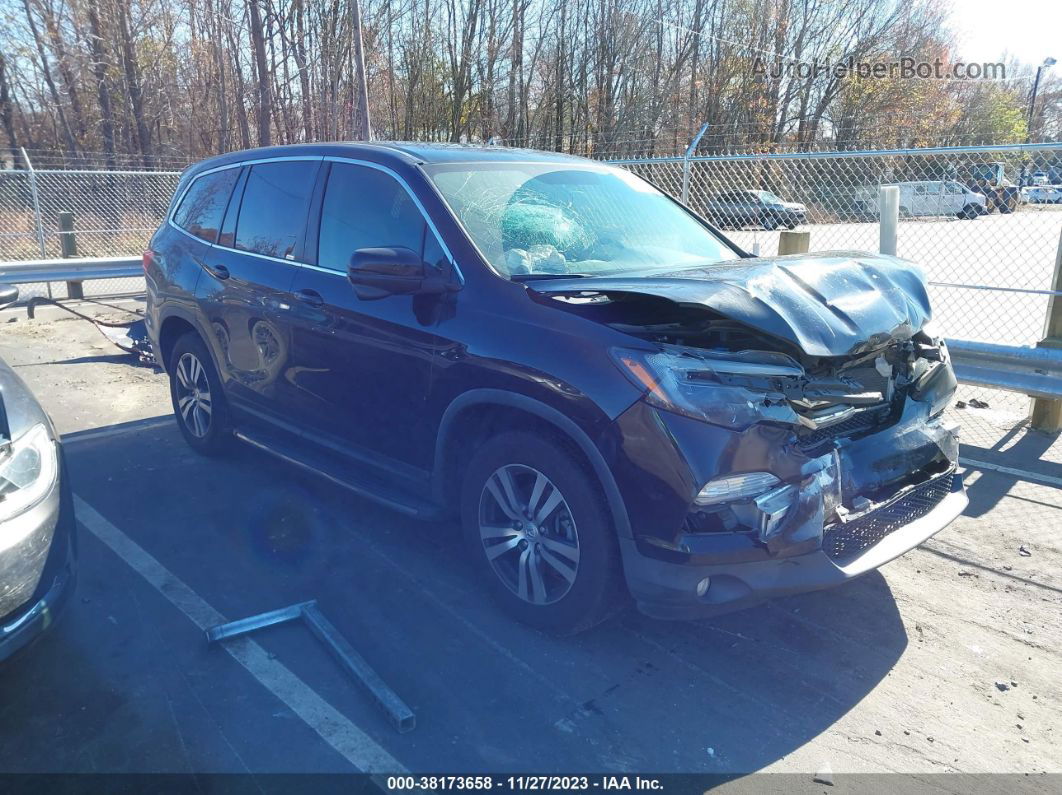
[(57, 578), (666, 589)]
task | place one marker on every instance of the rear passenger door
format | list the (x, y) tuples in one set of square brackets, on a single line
[(198, 215), (362, 368), (245, 289)]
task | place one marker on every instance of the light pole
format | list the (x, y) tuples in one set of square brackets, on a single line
[(1048, 63)]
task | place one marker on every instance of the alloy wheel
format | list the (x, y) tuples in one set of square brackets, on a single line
[(193, 395), (528, 534)]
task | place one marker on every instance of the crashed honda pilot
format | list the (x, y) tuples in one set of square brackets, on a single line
[(614, 398)]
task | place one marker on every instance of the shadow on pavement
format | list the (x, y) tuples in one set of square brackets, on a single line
[(247, 534)]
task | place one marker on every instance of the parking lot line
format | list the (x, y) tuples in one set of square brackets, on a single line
[(333, 727), (1024, 474)]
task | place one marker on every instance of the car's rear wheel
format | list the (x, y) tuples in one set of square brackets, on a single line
[(541, 534), (769, 222), (198, 402)]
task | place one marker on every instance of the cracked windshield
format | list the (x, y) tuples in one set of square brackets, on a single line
[(541, 221)]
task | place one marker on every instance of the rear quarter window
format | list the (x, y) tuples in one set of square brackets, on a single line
[(203, 206)]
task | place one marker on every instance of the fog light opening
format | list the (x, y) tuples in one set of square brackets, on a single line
[(703, 586)]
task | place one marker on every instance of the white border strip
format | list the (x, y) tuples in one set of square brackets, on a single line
[(334, 728)]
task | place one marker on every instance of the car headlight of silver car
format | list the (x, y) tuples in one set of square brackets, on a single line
[(27, 473)]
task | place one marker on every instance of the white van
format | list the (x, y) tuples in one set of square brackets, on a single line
[(940, 198)]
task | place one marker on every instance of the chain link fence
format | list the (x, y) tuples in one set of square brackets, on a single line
[(983, 222), (114, 213), (987, 244)]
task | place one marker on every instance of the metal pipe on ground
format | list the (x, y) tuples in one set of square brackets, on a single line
[(400, 715)]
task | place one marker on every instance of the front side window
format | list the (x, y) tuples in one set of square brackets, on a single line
[(203, 205), (365, 208), (274, 207), (557, 219)]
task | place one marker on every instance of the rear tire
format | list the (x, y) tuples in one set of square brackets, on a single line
[(769, 222), (540, 534), (198, 402)]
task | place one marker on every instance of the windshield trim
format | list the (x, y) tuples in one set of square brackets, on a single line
[(428, 170)]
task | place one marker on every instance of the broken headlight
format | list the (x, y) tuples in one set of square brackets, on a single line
[(27, 473), (735, 390)]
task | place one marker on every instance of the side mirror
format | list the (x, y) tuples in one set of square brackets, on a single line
[(379, 272), (8, 295)]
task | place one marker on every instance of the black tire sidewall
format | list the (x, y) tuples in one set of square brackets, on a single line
[(597, 590), (219, 435)]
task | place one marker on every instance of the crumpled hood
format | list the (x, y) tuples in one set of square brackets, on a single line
[(831, 304)]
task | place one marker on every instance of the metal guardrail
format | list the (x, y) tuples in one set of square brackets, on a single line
[(70, 270), (1036, 372)]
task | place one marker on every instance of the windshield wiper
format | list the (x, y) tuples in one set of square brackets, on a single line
[(530, 277)]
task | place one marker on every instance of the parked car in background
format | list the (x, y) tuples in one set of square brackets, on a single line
[(754, 208), (1043, 194), (613, 397), (38, 549), (932, 197)]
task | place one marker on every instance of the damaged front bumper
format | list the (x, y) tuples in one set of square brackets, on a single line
[(834, 516)]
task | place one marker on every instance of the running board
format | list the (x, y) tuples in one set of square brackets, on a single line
[(303, 455)]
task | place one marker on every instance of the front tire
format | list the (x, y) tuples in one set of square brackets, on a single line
[(539, 532), (198, 402), (769, 222)]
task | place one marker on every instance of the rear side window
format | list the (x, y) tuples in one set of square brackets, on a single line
[(274, 207), (203, 205), (365, 208)]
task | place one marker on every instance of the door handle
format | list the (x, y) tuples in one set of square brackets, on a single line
[(311, 297), (219, 271)]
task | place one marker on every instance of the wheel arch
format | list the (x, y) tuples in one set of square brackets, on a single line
[(483, 412), (172, 328)]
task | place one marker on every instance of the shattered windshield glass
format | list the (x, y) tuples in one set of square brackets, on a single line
[(551, 219)]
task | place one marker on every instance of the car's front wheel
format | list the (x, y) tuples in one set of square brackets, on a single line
[(198, 402), (541, 534)]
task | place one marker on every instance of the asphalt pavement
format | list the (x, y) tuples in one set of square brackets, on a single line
[(897, 671)]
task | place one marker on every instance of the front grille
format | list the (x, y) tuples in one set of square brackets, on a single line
[(816, 442), (843, 543)]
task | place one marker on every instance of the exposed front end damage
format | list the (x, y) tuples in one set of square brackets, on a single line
[(798, 459)]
